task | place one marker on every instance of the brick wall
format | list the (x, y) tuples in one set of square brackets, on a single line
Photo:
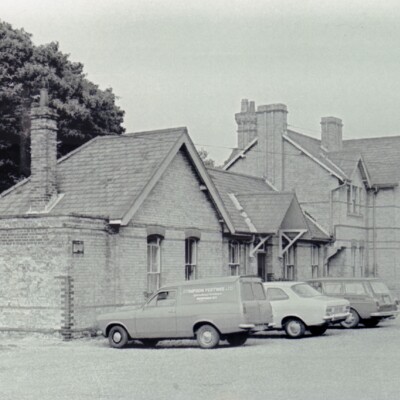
[(250, 164)]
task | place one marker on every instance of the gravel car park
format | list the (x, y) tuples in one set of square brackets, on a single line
[(342, 364)]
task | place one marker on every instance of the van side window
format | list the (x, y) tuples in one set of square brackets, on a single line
[(355, 288), (258, 291), (247, 291), (276, 294), (332, 288), (163, 299)]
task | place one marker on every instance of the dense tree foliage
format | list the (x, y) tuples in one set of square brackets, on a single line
[(84, 110)]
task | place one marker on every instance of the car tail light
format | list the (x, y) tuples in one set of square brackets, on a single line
[(377, 303), (244, 309)]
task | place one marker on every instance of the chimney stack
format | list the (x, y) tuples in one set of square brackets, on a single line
[(43, 155), (331, 133), (271, 125), (247, 123)]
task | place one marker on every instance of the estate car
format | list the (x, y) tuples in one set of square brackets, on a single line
[(370, 299), (210, 310)]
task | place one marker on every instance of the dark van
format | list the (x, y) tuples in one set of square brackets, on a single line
[(370, 299)]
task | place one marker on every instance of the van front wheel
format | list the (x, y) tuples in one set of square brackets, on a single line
[(237, 339), (207, 337), (118, 337)]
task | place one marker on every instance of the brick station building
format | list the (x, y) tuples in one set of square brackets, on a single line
[(351, 187), (106, 225)]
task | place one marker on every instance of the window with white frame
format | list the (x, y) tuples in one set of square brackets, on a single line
[(354, 199), (153, 263), (191, 258), (289, 264), (234, 257), (315, 261), (353, 258), (361, 260)]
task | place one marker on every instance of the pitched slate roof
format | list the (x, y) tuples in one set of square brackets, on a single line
[(110, 177), (234, 183), (102, 177), (313, 147), (267, 211), (381, 155), (264, 207)]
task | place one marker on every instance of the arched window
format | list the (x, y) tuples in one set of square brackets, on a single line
[(234, 257), (153, 263), (191, 258)]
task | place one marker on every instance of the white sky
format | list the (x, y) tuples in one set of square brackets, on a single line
[(190, 62)]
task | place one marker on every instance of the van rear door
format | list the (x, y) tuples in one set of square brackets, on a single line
[(255, 306)]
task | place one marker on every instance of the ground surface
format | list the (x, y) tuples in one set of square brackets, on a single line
[(358, 364)]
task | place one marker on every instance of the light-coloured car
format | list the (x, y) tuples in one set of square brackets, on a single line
[(297, 307), (370, 299), (210, 310)]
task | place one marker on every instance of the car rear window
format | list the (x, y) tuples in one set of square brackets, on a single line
[(356, 288), (305, 290), (276, 294), (332, 288), (379, 288)]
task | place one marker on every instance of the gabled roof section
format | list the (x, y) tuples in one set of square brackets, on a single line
[(312, 148), (110, 176), (238, 154), (270, 212), (315, 231), (349, 161), (382, 157), (231, 183)]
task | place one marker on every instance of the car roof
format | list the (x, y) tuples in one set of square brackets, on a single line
[(337, 279), (282, 283), (211, 280)]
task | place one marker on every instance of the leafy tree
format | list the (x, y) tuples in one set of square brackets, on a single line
[(208, 162), (84, 110)]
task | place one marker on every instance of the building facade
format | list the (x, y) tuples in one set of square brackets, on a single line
[(350, 187), (108, 224)]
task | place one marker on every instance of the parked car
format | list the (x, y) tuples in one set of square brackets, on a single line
[(210, 310), (370, 299), (298, 307)]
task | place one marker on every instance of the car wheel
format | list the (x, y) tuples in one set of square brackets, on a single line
[(207, 337), (149, 342), (237, 339), (294, 328), (370, 323), (118, 337), (352, 320), (318, 330)]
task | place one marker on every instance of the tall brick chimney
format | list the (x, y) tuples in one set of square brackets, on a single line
[(271, 125), (247, 123), (331, 133), (43, 155)]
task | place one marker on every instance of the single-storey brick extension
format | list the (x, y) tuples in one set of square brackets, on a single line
[(106, 225)]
